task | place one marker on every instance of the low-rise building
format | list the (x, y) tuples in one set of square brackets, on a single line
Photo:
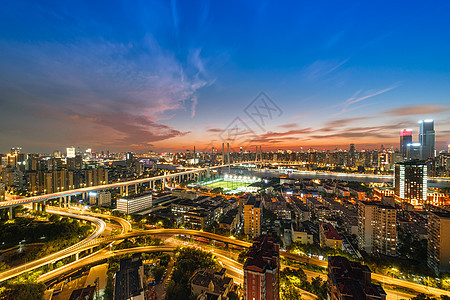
[(302, 237), (351, 280), (210, 284), (329, 237), (229, 221), (196, 219), (134, 203)]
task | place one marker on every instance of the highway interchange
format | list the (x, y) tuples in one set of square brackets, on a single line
[(233, 267)]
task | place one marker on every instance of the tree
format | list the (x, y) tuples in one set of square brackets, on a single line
[(232, 296), (319, 287), (3, 267), (158, 272), (29, 291), (290, 292), (109, 292)]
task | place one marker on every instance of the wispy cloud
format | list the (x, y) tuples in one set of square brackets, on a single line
[(322, 68), (349, 104), (288, 125), (418, 110)]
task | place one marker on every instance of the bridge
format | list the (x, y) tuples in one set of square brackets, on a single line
[(123, 186)]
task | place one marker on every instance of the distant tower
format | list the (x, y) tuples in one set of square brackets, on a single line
[(223, 153), (427, 138), (260, 153), (352, 155), (405, 139), (194, 156), (228, 158)]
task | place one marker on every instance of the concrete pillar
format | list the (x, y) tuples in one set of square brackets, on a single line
[(77, 256), (61, 201), (43, 205), (11, 213), (135, 189), (34, 205), (126, 190)]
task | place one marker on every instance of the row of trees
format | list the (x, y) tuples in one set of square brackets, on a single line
[(139, 242), (188, 260), (29, 291), (291, 280)]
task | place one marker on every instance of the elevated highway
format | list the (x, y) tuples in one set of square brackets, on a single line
[(41, 198), (100, 227)]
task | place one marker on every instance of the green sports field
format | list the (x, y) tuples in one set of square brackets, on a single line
[(227, 184)]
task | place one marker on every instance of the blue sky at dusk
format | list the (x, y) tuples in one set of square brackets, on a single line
[(168, 75)]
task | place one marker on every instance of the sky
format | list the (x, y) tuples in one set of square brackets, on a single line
[(170, 75)]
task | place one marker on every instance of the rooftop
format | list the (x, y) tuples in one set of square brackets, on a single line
[(205, 277), (330, 232), (263, 254)]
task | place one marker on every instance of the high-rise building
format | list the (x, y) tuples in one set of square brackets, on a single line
[(2, 191), (16, 150), (377, 228), (413, 151), (70, 152), (427, 138), (104, 198), (405, 139), (262, 270), (410, 182), (439, 242), (352, 155), (252, 216), (57, 154), (351, 280)]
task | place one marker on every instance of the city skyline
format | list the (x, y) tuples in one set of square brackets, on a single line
[(168, 76)]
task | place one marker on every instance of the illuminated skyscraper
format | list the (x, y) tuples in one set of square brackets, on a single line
[(16, 150), (405, 139), (70, 152), (410, 182), (427, 138)]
